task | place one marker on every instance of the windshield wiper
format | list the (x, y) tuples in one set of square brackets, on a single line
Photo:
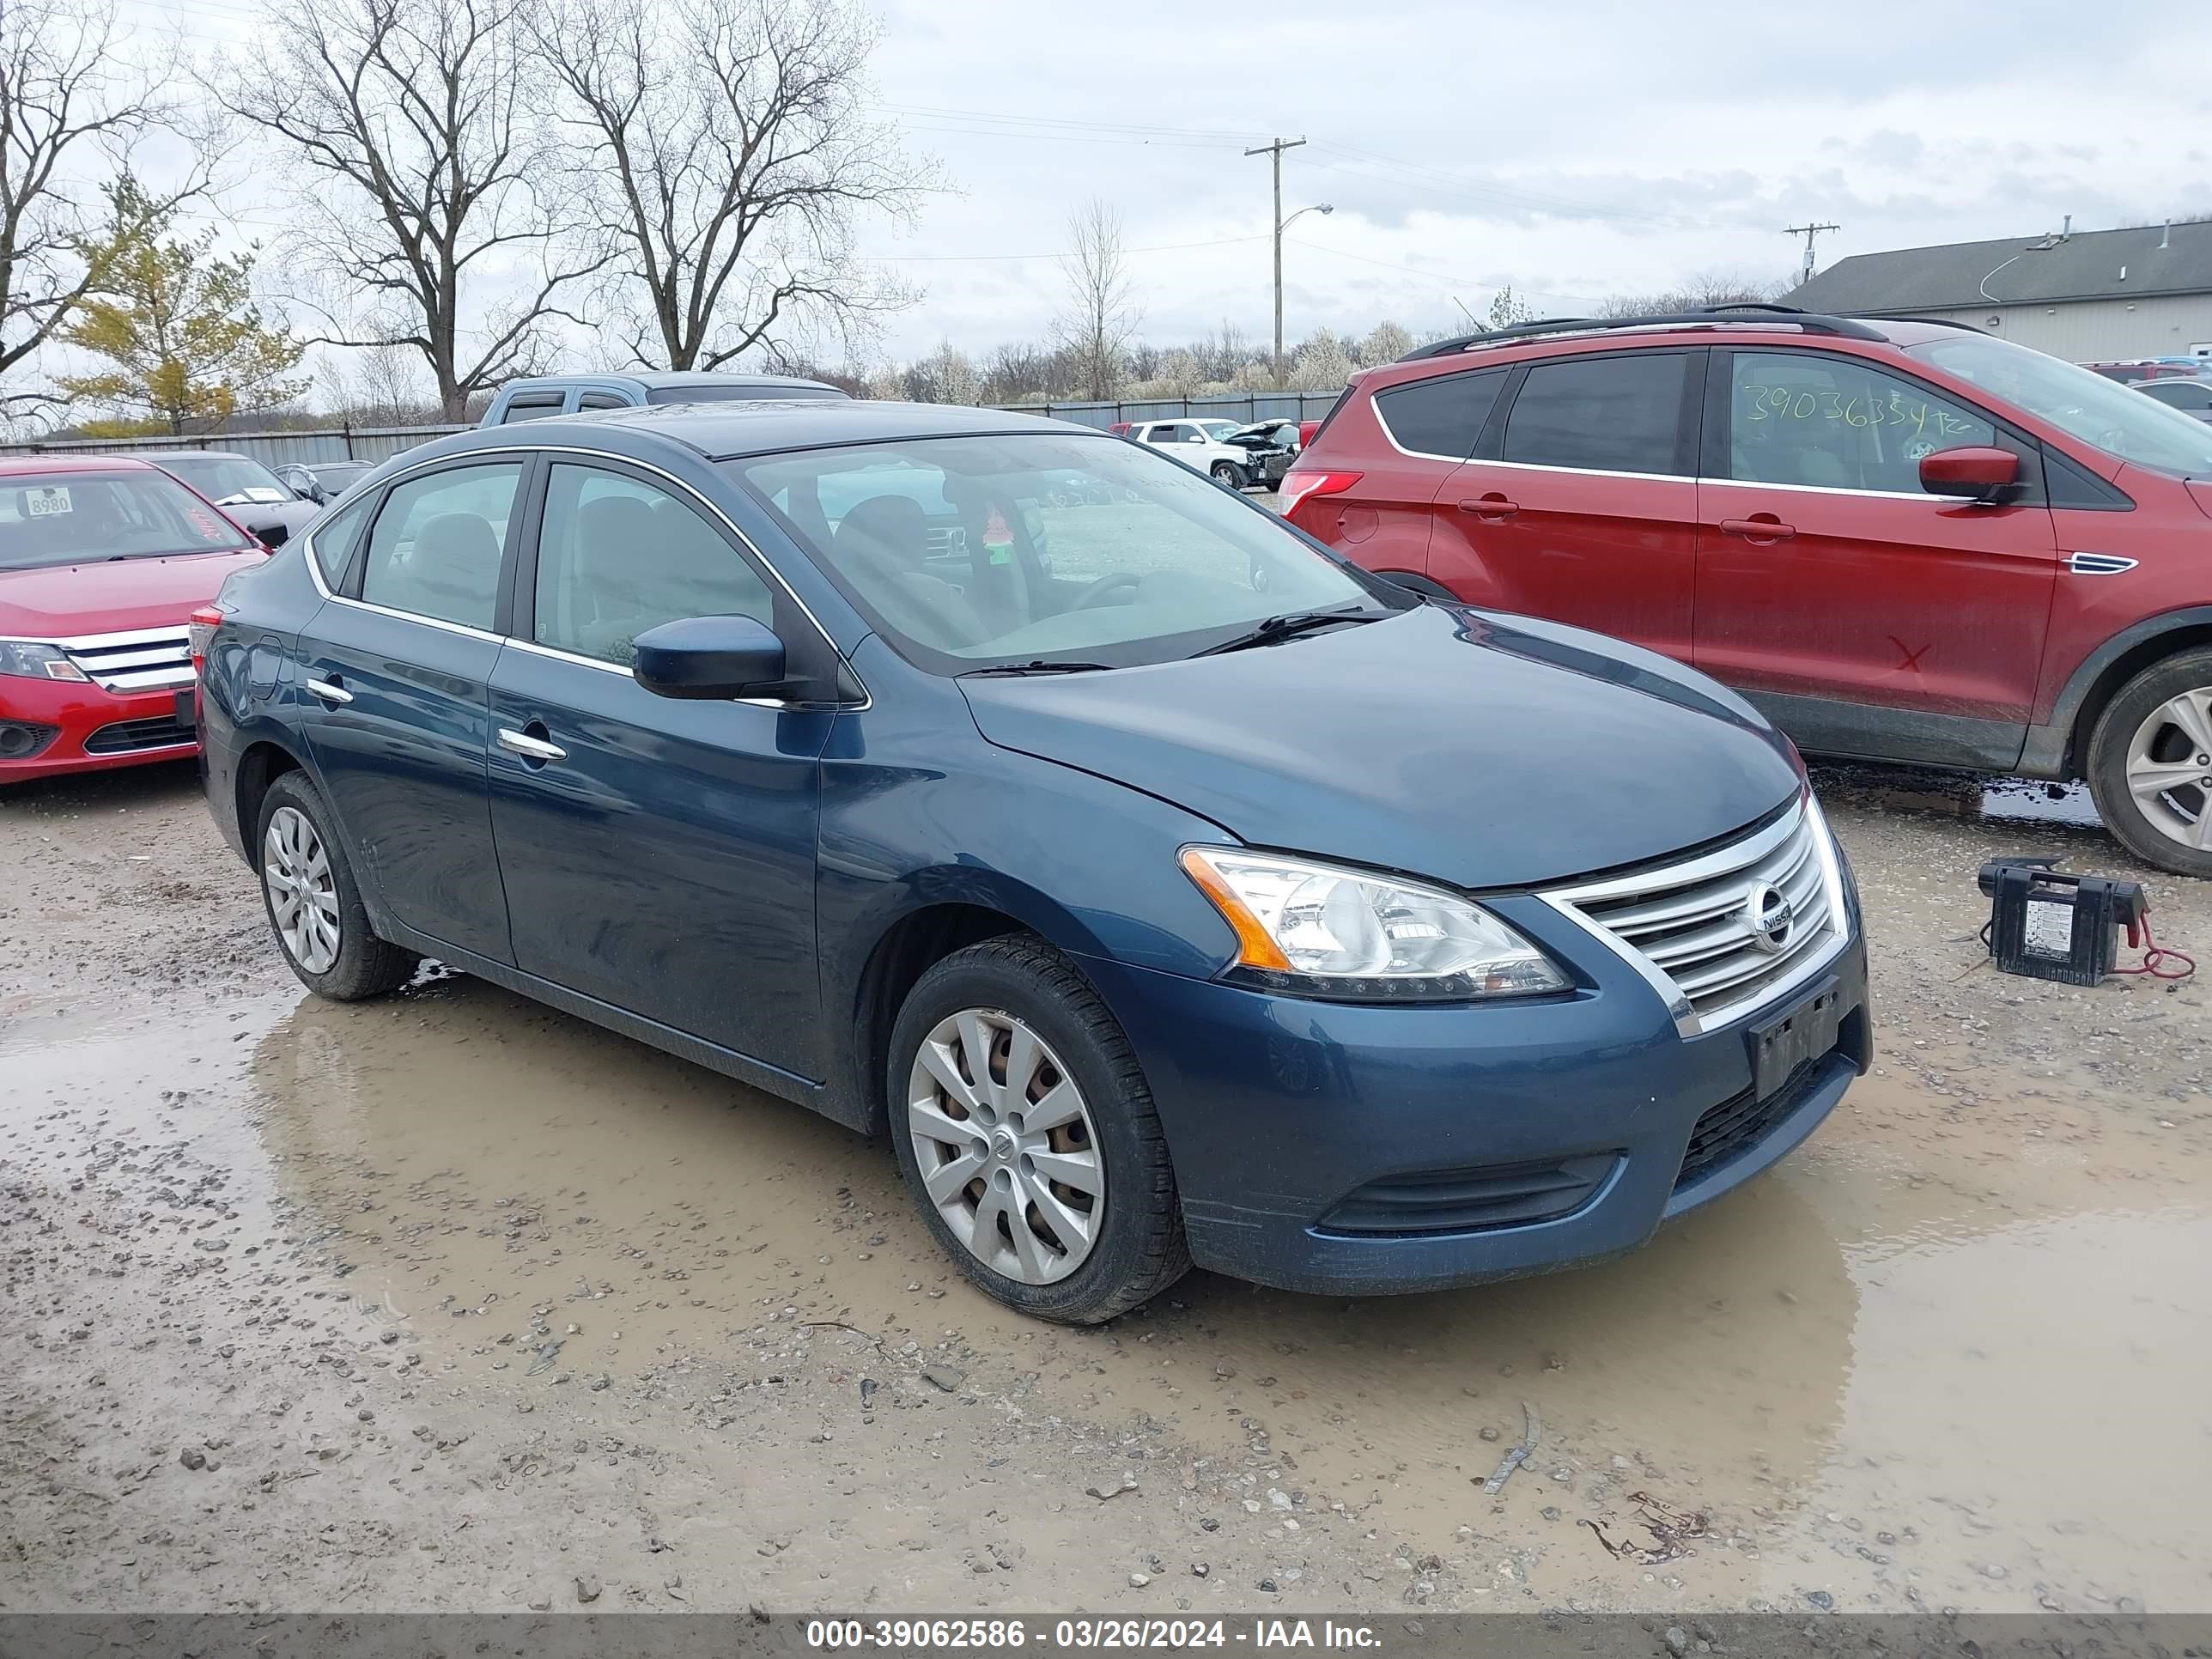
[(1289, 626), (1012, 670)]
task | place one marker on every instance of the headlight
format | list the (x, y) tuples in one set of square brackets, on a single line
[(1328, 931), (37, 662)]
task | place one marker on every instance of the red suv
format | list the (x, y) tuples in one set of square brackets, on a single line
[(102, 562), (1904, 541)]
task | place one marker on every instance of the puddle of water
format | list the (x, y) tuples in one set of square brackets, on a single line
[(1954, 794), (1988, 1345)]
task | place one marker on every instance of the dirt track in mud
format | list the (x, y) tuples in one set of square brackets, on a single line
[(449, 1301)]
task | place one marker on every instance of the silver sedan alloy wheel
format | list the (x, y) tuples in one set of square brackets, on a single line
[(1005, 1146), (303, 892), (2169, 768)]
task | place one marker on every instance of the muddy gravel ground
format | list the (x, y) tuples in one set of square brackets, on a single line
[(450, 1302)]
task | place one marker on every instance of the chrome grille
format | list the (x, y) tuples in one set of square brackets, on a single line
[(1691, 927), (143, 660)]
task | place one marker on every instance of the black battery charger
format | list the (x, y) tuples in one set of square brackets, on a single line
[(2047, 924)]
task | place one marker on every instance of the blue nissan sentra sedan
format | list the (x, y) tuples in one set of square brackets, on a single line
[(1164, 888)]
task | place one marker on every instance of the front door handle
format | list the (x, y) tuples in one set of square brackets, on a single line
[(1763, 530), (530, 748), (329, 691), (1493, 507)]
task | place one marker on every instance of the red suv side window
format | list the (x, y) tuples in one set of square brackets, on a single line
[(1619, 412)]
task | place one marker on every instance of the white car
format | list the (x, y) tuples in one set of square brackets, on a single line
[(1198, 445)]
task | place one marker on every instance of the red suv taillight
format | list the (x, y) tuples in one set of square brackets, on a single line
[(204, 622), (1298, 488)]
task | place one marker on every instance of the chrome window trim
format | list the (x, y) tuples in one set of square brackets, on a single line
[(1835, 489), (1567, 901), (525, 450)]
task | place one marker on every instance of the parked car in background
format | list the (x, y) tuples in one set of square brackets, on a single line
[(1271, 447), (323, 481), (242, 487), (1202, 446), (1120, 894), (1902, 540), (2135, 370), (1306, 431), (102, 561), (547, 395), (2189, 394)]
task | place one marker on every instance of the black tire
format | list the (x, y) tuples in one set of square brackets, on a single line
[(2130, 822), (1140, 1250), (366, 966), (1228, 473)]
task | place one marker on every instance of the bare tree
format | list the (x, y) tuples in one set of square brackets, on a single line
[(70, 109), (1101, 319), (421, 132), (1696, 294), (723, 152)]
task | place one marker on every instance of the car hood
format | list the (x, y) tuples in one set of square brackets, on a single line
[(67, 601), (1478, 750)]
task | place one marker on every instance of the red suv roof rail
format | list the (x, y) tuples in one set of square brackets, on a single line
[(1711, 316)]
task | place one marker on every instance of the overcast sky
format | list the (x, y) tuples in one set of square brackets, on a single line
[(1574, 148)]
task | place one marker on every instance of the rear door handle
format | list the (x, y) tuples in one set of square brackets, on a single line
[(1493, 507), (530, 748), (329, 691), (1758, 530)]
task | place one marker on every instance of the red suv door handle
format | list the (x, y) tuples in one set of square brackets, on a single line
[(1762, 527), (1492, 507)]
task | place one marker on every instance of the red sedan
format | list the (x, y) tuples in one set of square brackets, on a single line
[(102, 562)]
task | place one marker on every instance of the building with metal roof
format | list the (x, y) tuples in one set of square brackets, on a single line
[(2090, 296)]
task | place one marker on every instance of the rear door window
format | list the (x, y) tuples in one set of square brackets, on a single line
[(1442, 417), (434, 550), (601, 400), (1621, 412)]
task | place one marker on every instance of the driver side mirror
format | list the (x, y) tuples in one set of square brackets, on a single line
[(1976, 472), (710, 658)]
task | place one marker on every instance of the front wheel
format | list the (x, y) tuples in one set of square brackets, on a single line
[(2150, 764), (313, 905), (1225, 473), (1027, 1134)]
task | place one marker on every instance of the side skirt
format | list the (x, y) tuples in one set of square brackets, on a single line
[(758, 1074)]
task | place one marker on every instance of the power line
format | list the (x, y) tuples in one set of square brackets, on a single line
[(1438, 182)]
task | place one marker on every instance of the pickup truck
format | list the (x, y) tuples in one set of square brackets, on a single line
[(543, 395)]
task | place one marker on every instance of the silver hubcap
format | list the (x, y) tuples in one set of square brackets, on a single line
[(2170, 769), (1005, 1146), (303, 894)]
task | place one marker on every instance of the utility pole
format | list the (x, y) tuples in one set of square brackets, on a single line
[(1809, 231), (1274, 154)]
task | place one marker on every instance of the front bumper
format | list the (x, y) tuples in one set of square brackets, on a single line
[(1295, 1126), (79, 727)]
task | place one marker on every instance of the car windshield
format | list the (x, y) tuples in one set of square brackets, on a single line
[(224, 479), (979, 552), (80, 518), (2116, 418), (1216, 428)]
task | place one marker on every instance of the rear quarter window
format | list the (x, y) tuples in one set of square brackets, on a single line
[(1442, 417)]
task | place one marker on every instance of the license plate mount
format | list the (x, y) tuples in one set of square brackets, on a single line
[(1805, 1030)]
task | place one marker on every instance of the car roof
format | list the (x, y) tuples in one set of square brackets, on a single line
[(11, 465), (722, 431), (160, 455), (661, 381)]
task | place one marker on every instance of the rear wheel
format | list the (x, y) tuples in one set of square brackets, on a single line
[(1025, 1128), (2150, 764), (313, 905)]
